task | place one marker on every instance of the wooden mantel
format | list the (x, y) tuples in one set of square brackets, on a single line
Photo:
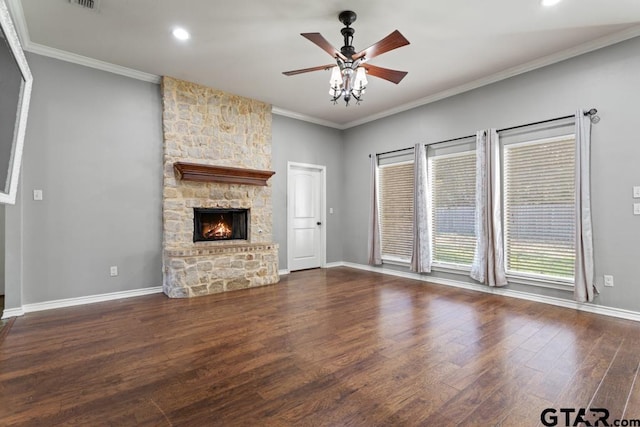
[(210, 173)]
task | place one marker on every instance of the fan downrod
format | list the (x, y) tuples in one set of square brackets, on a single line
[(347, 17)]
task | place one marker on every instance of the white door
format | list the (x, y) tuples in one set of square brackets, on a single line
[(306, 231)]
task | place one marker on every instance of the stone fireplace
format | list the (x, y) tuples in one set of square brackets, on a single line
[(217, 156)]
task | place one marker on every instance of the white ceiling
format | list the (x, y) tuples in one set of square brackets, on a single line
[(243, 46)]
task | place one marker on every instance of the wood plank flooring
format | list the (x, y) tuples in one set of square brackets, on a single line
[(335, 347)]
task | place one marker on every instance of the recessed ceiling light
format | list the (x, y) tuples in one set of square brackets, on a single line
[(181, 34), (549, 3)]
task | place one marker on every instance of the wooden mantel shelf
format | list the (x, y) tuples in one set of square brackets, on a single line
[(209, 173)]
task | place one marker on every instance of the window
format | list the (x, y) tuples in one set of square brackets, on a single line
[(452, 179), (539, 207), (538, 203), (453, 198), (396, 210)]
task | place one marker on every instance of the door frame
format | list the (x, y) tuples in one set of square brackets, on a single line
[(323, 210)]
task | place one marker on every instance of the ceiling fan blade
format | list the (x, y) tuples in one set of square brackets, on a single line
[(392, 41), (307, 70), (321, 42), (393, 76)]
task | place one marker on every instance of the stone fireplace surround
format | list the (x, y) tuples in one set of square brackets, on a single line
[(207, 129)]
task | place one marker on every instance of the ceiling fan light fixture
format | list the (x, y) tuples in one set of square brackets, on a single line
[(353, 83), (348, 77)]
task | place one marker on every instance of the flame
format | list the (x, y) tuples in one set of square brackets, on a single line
[(219, 230)]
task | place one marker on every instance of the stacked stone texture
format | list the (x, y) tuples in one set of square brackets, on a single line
[(208, 126)]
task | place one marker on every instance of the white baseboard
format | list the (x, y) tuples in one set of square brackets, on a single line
[(12, 312), (589, 307), (327, 265), (334, 264), (70, 302)]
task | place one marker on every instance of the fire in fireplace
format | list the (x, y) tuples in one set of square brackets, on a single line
[(211, 224)]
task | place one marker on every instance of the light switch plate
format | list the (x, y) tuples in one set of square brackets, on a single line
[(37, 194), (608, 281), (636, 192), (636, 208)]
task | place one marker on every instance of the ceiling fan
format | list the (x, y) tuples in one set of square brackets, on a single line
[(348, 78)]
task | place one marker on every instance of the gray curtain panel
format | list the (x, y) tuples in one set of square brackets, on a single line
[(583, 290), (488, 260), (375, 253), (421, 254)]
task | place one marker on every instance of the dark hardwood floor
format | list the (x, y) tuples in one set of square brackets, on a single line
[(335, 347)]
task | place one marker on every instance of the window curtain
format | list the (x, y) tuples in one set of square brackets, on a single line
[(583, 290), (421, 254), (488, 259), (375, 253)]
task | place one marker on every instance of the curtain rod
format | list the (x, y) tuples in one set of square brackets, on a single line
[(431, 143), (592, 112)]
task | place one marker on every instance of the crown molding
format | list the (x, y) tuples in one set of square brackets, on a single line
[(15, 9), (90, 62), (298, 116), (587, 47)]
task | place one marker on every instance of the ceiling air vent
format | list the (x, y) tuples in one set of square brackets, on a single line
[(87, 4)]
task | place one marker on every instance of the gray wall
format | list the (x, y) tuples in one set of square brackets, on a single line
[(94, 146), (2, 250), (302, 142), (606, 79)]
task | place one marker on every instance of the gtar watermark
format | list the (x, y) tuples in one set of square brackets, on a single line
[(583, 417)]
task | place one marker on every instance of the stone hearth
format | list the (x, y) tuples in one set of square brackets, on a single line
[(209, 127)]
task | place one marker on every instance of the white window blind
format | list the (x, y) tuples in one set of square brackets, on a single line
[(396, 210), (453, 192), (539, 207)]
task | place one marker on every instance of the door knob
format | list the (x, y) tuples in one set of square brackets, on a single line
[(318, 223)]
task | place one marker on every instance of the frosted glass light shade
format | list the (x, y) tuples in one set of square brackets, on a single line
[(336, 77), (361, 79)]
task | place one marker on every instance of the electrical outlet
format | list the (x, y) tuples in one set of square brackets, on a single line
[(113, 270), (636, 192), (608, 281), (636, 208)]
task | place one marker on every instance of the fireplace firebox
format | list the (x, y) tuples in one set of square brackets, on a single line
[(213, 224)]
